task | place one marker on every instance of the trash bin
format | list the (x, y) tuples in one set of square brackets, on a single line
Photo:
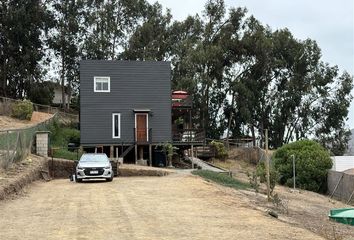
[(71, 147), (159, 159)]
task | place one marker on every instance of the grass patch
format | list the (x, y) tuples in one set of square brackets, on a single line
[(222, 179), (65, 154), (60, 136)]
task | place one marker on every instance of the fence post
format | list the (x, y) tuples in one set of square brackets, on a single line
[(8, 145)]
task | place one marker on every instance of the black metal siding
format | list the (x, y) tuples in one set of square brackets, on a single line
[(133, 85)]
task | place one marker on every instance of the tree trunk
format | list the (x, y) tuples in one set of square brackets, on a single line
[(69, 97), (229, 123), (253, 135), (63, 81)]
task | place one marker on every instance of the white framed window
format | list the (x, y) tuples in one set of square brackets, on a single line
[(102, 84), (115, 125)]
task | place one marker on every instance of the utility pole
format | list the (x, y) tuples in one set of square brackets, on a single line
[(267, 165)]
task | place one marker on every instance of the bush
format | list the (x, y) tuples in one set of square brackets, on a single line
[(262, 173), (220, 150), (62, 135), (22, 110), (312, 163)]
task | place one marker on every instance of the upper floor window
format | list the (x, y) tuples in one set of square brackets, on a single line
[(102, 84)]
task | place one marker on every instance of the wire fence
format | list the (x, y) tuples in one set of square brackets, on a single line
[(341, 186), (7, 103), (16, 144)]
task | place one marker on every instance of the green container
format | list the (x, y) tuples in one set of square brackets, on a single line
[(342, 215)]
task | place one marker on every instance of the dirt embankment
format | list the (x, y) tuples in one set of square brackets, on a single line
[(19, 175), (8, 123)]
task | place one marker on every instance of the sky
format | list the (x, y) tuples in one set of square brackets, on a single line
[(329, 22)]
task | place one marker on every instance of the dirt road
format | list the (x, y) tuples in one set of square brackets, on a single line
[(179, 206)]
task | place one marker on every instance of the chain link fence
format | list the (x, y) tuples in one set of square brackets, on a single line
[(6, 106), (16, 144), (341, 186)]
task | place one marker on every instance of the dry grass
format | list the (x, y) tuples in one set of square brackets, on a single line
[(177, 206), (305, 209)]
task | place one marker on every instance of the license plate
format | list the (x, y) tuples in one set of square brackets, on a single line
[(93, 172)]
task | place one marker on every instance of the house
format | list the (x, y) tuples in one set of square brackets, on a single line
[(125, 108), (342, 163), (58, 99)]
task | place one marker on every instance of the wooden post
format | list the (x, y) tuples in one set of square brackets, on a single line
[(267, 165), (192, 150), (111, 152), (136, 153), (8, 145), (150, 155)]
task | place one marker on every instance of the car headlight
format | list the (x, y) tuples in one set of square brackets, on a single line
[(80, 168), (107, 167)]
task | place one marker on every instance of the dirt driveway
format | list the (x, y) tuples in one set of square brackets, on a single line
[(179, 206)]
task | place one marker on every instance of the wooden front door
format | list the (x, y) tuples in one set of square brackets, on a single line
[(141, 127)]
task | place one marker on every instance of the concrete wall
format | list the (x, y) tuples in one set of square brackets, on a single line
[(345, 187), (342, 163)]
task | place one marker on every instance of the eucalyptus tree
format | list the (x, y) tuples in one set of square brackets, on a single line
[(108, 25), (65, 41), (21, 48), (152, 38)]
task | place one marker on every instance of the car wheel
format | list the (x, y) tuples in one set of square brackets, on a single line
[(109, 179), (78, 179)]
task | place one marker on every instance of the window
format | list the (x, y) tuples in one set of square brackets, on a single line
[(102, 84), (116, 125)]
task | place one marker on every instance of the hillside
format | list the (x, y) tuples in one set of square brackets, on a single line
[(9, 123)]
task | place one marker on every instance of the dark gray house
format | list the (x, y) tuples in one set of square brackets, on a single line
[(125, 107)]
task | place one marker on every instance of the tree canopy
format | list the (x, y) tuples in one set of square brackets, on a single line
[(244, 77)]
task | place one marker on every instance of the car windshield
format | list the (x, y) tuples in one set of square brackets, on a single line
[(94, 158)]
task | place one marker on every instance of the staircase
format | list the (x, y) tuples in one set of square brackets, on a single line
[(127, 151)]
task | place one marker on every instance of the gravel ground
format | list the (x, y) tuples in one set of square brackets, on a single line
[(177, 206)]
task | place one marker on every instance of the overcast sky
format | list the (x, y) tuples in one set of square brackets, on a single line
[(329, 22)]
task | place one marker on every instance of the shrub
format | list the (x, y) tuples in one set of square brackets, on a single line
[(262, 173), (220, 150), (62, 135), (22, 110), (312, 163)]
